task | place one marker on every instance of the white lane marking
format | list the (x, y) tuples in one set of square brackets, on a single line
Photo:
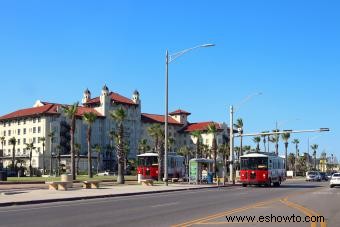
[(165, 205), (104, 200)]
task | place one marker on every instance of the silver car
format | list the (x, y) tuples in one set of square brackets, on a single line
[(313, 176), (335, 180)]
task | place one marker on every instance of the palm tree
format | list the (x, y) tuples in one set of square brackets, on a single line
[(212, 129), (12, 141), (296, 142), (77, 149), (119, 116), (71, 112), (198, 135), (239, 125), (186, 152), (276, 139), (30, 147), (314, 147), (291, 161), (143, 146), (224, 150), (43, 139), (257, 140), (112, 136), (264, 139), (89, 119), (58, 161), (157, 133), (171, 142), (97, 148), (285, 137), (51, 136)]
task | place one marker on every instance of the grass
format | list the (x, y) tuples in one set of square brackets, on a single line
[(80, 178)]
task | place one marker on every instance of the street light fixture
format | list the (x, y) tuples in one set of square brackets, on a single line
[(168, 59)]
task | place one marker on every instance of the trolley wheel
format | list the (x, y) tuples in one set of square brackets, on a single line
[(244, 185)]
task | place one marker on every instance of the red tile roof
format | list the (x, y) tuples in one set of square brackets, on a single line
[(46, 109), (114, 97), (179, 111), (155, 118), (201, 126), (30, 112)]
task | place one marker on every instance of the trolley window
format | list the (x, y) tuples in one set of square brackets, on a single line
[(254, 163)]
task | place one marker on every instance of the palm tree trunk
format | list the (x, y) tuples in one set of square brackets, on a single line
[(120, 150), (89, 155), (98, 161), (241, 144), (286, 155), (51, 158), (44, 167), (73, 172), (31, 173), (214, 147), (13, 157)]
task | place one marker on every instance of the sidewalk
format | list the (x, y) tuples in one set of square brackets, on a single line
[(27, 196)]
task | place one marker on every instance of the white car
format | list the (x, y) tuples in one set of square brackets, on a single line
[(335, 180), (313, 176)]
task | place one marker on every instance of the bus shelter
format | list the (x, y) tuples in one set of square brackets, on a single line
[(200, 171)]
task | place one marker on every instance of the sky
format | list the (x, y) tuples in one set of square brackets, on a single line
[(289, 50)]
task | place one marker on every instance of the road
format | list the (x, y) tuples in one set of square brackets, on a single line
[(208, 207)]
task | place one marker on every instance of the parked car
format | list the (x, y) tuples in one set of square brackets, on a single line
[(335, 181), (313, 176), (323, 176), (106, 173)]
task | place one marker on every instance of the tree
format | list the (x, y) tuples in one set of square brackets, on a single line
[(119, 116), (186, 152), (275, 139), (51, 136), (77, 150), (58, 161), (89, 119), (314, 147), (302, 164), (12, 141), (70, 112), (285, 137), (212, 129), (239, 125), (257, 141), (157, 133), (2, 139), (296, 142), (224, 150), (98, 150), (143, 146), (291, 161), (198, 136), (43, 139), (30, 147), (264, 139)]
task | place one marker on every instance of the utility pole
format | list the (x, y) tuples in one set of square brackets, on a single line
[(231, 154)]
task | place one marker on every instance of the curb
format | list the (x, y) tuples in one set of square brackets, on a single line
[(7, 204)]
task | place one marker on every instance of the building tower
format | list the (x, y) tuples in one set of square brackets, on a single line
[(135, 97), (86, 96)]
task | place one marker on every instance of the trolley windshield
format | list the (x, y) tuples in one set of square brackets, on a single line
[(147, 161), (254, 163)]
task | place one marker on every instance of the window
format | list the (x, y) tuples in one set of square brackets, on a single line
[(9, 132), (18, 141), (38, 139), (39, 129), (38, 150), (34, 120), (9, 124), (19, 122), (34, 129), (4, 133), (19, 132), (4, 124), (24, 151), (34, 139), (24, 140), (18, 150), (24, 131), (39, 119), (24, 121)]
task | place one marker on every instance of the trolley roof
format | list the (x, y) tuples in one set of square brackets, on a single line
[(150, 154), (259, 155)]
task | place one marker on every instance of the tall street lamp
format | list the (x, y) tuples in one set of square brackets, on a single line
[(168, 59), (231, 152)]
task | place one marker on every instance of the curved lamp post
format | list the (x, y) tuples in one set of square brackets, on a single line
[(168, 59)]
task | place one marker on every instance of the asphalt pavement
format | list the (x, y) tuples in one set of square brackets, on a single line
[(207, 207)]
